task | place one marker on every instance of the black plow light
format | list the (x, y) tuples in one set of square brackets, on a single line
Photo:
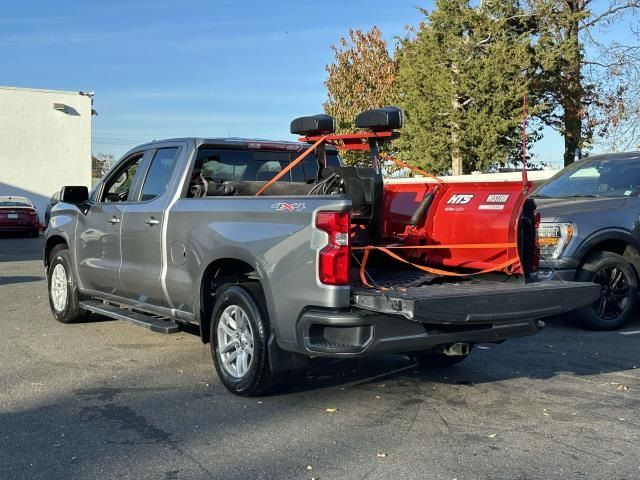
[(381, 119), (313, 125)]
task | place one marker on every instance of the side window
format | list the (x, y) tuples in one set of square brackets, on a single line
[(118, 187), (159, 173)]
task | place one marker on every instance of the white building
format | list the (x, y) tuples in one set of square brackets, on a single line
[(45, 142)]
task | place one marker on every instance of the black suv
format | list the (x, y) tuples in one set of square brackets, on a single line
[(590, 231)]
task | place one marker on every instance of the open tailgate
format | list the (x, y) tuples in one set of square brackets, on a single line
[(477, 302)]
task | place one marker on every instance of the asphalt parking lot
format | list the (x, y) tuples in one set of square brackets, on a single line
[(107, 399)]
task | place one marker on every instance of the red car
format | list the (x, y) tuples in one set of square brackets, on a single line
[(17, 214)]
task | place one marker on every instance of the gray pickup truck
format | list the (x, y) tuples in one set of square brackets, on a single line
[(174, 235)]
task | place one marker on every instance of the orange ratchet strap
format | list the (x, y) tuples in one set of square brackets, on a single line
[(295, 162), (435, 271)]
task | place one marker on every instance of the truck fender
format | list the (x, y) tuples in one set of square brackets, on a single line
[(612, 234)]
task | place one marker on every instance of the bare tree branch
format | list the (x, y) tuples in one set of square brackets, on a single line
[(612, 11)]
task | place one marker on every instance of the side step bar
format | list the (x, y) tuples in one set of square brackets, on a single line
[(152, 323)]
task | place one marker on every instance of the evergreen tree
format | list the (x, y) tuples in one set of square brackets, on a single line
[(462, 79)]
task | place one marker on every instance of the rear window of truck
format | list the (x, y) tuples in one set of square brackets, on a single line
[(220, 165)]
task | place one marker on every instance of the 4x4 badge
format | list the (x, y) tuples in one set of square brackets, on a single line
[(288, 207)]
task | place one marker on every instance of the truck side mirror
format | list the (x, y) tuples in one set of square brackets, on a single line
[(74, 194)]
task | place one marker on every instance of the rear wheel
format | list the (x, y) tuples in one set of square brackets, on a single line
[(618, 291), (239, 335), (437, 359), (63, 290)]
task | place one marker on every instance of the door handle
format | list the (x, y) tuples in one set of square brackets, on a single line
[(113, 220), (151, 221)]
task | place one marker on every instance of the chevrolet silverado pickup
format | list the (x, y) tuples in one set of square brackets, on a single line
[(277, 253)]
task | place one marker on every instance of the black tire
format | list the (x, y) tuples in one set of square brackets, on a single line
[(71, 313), (437, 359), (258, 379), (619, 292)]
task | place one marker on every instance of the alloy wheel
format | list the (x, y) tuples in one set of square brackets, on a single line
[(59, 287), (235, 341), (614, 292)]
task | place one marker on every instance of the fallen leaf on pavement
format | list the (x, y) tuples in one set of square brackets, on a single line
[(623, 388), (332, 410), (382, 455), (493, 435)]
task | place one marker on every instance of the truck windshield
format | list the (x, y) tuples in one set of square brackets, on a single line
[(221, 165), (595, 178)]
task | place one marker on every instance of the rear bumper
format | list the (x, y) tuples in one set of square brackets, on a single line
[(359, 332), (419, 318)]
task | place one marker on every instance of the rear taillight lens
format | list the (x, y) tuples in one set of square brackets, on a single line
[(33, 214), (334, 262)]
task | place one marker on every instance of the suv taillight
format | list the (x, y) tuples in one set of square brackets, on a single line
[(334, 260)]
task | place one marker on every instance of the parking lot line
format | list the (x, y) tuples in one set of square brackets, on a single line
[(630, 332)]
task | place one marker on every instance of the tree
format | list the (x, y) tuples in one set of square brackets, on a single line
[(362, 76), (586, 82), (100, 164), (621, 131), (462, 79)]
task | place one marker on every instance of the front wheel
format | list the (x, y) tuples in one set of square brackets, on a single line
[(618, 291), (239, 335), (63, 290)]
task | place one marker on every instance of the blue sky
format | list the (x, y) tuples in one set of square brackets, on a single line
[(191, 68)]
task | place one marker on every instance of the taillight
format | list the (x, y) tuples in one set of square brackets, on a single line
[(33, 214), (334, 262)]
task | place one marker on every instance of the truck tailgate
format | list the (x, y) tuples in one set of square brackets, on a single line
[(477, 301)]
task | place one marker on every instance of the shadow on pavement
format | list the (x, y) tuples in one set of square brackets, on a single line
[(192, 430), (19, 279), (16, 248)]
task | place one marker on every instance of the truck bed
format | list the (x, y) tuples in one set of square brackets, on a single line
[(418, 297)]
